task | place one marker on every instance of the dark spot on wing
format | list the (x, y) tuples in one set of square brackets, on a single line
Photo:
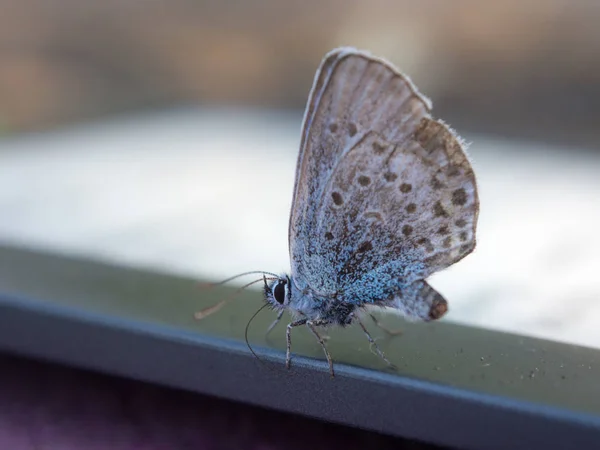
[(328, 236), (405, 188), (437, 184), (337, 198), (333, 127), (459, 197), (447, 242), (352, 129), (453, 171), (363, 180), (426, 243), (461, 223), (443, 230), (407, 230), (378, 148), (438, 210), (390, 176), (438, 308), (411, 208), (463, 236), (365, 247)]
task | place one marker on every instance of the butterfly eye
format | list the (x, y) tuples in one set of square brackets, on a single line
[(279, 292)]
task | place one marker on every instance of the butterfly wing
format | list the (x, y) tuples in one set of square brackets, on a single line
[(384, 194), (352, 93)]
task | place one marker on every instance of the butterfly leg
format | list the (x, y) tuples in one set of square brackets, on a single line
[(288, 335), (311, 326), (275, 322), (375, 346), (384, 328)]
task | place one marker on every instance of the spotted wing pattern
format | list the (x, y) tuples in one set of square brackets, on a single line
[(384, 194)]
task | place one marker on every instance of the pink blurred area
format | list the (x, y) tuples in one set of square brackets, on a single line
[(47, 407)]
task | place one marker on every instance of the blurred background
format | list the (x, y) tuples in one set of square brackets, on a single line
[(164, 135)]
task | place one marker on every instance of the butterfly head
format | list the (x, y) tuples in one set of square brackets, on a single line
[(278, 292)]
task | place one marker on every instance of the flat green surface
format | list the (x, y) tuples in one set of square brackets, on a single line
[(517, 367)]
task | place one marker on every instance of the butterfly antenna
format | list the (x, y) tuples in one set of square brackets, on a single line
[(227, 280), (213, 309), (248, 327)]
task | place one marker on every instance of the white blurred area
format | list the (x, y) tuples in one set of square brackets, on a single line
[(206, 193)]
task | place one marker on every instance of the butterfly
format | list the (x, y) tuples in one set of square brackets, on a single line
[(384, 196)]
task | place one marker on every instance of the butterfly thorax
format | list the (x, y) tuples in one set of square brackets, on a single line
[(330, 308), (306, 303)]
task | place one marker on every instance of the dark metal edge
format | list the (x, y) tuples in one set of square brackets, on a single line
[(357, 397)]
